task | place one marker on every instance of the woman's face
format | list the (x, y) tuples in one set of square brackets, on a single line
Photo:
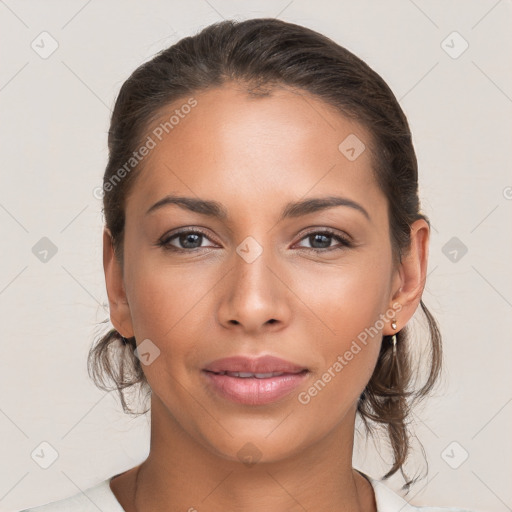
[(258, 281)]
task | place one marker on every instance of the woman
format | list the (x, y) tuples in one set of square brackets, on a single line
[(264, 251)]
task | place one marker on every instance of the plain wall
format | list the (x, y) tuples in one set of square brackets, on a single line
[(55, 117)]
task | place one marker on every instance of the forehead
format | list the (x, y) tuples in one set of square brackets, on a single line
[(283, 146)]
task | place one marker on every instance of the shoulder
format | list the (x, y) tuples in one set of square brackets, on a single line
[(98, 497), (389, 501)]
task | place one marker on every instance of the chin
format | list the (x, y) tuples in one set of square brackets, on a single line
[(255, 449)]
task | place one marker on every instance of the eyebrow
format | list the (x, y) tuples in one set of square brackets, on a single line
[(291, 210)]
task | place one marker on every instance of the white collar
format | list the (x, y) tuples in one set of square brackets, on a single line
[(386, 499)]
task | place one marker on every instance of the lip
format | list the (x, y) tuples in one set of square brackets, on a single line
[(262, 364), (254, 390)]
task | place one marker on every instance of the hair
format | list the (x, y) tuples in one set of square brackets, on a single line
[(261, 54)]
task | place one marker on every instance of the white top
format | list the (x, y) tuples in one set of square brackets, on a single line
[(101, 497)]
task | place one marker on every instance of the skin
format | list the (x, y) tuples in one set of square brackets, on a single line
[(254, 155)]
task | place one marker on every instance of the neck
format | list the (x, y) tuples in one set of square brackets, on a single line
[(181, 474)]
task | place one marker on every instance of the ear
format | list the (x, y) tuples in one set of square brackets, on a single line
[(118, 303), (410, 278)]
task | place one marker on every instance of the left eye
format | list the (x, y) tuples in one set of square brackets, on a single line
[(324, 239)]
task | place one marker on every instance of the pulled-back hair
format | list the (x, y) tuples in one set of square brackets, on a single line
[(262, 54)]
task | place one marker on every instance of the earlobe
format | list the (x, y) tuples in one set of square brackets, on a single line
[(118, 303), (412, 273)]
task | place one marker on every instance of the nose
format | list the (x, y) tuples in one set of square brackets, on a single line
[(255, 298)]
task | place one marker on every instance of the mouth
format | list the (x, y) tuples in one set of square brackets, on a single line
[(259, 367), (248, 381), (251, 375)]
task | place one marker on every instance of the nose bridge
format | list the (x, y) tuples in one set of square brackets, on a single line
[(252, 269), (253, 295)]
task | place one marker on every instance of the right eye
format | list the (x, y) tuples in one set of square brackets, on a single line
[(189, 240)]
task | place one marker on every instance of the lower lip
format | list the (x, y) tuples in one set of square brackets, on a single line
[(253, 391)]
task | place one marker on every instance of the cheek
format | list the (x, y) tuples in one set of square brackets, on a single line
[(165, 306), (171, 306), (348, 350), (346, 298), (349, 304)]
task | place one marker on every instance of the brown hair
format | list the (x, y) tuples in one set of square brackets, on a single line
[(262, 53)]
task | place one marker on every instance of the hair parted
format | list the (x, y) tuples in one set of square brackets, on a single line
[(261, 54)]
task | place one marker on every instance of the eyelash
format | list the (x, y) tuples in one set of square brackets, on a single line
[(344, 241)]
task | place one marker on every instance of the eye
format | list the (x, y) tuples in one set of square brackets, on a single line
[(324, 238), (187, 241)]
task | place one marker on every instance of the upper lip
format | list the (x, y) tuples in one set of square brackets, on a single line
[(262, 364)]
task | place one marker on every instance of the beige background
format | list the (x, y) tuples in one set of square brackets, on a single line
[(55, 116)]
